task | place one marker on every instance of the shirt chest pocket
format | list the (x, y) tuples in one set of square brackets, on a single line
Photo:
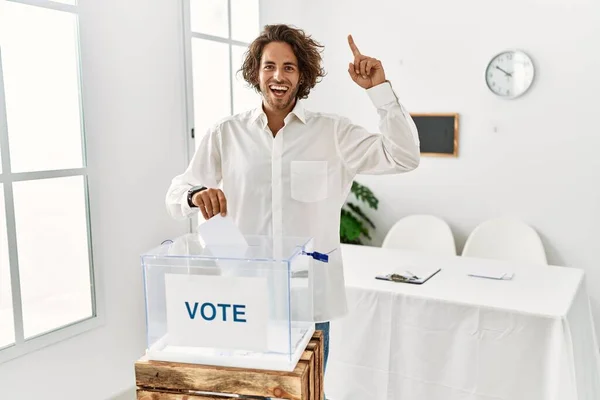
[(308, 181)]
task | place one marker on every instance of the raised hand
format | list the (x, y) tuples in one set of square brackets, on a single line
[(365, 71)]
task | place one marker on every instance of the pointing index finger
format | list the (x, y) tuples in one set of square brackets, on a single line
[(353, 46)]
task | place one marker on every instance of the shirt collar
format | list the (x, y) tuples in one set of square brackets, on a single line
[(258, 114), (298, 111)]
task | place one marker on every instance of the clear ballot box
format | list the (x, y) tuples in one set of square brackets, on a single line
[(247, 306)]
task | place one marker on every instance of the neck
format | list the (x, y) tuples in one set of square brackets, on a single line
[(276, 117)]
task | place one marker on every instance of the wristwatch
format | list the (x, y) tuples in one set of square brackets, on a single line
[(191, 194)]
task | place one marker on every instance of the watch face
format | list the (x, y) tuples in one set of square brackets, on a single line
[(510, 74)]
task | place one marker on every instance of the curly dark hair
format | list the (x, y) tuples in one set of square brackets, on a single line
[(307, 51)]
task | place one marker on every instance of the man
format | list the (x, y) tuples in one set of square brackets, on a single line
[(286, 171)]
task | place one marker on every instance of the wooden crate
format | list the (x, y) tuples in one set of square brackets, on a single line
[(160, 380)]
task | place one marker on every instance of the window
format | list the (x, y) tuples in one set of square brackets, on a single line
[(46, 280), (218, 32)]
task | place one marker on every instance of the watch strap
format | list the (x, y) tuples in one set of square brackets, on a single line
[(191, 194)]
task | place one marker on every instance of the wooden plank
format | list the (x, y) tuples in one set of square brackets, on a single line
[(152, 395), (308, 358), (316, 344), (312, 378), (305, 381), (312, 347), (160, 375)]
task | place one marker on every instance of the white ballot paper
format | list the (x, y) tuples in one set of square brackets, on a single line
[(221, 231), (221, 238)]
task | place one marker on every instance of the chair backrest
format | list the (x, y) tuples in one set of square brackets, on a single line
[(425, 233), (507, 239)]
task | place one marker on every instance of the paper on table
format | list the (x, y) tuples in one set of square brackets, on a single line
[(500, 275), (221, 231)]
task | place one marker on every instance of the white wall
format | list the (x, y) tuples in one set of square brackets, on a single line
[(281, 12), (135, 114), (135, 122), (535, 158)]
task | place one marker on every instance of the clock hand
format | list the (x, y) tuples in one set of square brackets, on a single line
[(507, 73)]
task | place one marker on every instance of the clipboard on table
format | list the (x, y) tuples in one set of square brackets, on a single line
[(408, 277)]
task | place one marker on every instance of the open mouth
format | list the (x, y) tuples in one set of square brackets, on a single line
[(278, 90)]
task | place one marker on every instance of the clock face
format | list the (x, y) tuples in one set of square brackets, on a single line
[(510, 74)]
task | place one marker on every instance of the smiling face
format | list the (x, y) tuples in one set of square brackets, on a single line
[(279, 76)]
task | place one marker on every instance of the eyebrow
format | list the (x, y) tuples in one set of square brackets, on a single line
[(285, 63)]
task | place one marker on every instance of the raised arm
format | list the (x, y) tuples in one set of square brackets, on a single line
[(396, 148)]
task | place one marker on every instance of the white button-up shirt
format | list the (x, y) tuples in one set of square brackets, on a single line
[(294, 184)]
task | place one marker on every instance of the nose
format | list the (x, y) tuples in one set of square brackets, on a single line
[(277, 74)]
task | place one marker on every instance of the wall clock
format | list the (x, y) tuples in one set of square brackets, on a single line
[(510, 74)]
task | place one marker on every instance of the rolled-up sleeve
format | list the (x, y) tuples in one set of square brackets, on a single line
[(395, 149)]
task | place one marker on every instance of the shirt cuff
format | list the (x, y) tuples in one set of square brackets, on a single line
[(186, 210), (382, 94)]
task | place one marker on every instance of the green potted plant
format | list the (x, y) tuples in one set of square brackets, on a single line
[(355, 226)]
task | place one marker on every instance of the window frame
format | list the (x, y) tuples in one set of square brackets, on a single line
[(22, 346), (188, 35)]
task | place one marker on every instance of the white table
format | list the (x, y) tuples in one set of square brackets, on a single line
[(458, 337)]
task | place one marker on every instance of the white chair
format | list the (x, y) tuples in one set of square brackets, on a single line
[(424, 233), (506, 239)]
